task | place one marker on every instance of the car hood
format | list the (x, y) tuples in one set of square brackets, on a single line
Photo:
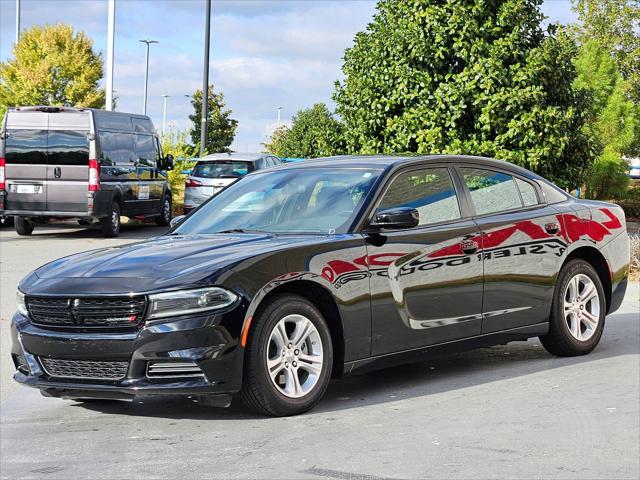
[(161, 262)]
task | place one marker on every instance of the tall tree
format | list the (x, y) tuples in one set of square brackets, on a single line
[(221, 128), (314, 133), (616, 25), (615, 120), (53, 66), (477, 77)]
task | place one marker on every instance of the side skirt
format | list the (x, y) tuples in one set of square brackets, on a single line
[(455, 346)]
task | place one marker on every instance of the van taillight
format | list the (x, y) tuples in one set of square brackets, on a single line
[(192, 183), (2, 174), (94, 176)]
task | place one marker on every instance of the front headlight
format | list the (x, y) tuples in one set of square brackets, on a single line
[(182, 302), (21, 304)]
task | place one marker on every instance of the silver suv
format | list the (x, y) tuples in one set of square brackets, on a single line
[(219, 170)]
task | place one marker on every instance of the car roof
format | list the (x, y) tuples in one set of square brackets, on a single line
[(395, 161), (244, 157)]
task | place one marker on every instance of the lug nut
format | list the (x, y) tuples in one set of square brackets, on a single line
[(286, 365), (294, 364), (290, 345), (296, 352)]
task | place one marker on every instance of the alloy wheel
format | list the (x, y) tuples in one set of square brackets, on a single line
[(294, 356), (581, 307)]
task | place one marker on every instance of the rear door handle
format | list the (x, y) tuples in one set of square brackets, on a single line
[(57, 172), (469, 246), (552, 228)]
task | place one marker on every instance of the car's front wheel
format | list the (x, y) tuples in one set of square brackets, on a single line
[(578, 311), (165, 213), (288, 359)]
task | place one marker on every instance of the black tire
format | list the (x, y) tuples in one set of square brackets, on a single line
[(560, 341), (111, 225), (23, 225), (165, 212), (259, 393)]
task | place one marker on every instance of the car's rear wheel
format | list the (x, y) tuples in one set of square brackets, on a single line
[(289, 358), (578, 311), (165, 214), (111, 225), (23, 225)]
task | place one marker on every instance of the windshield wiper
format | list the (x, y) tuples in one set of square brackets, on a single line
[(240, 230)]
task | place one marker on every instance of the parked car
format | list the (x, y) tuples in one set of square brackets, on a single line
[(325, 268), (87, 164), (214, 172)]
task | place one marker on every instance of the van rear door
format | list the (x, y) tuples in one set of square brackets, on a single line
[(68, 161), (26, 168)]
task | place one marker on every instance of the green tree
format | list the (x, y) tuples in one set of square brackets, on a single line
[(476, 77), (221, 128), (616, 25), (615, 121), (314, 133), (52, 66)]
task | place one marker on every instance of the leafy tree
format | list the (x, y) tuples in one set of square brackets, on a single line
[(221, 129), (314, 133), (615, 121), (175, 142), (616, 25), (475, 77), (52, 66)]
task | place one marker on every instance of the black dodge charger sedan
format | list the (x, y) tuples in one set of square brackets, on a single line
[(325, 268)]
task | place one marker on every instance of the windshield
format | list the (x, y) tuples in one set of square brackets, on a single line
[(220, 169), (309, 200)]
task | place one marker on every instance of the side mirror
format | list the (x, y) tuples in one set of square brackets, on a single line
[(175, 221), (168, 161), (396, 218)]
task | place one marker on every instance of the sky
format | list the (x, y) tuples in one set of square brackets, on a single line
[(264, 54)]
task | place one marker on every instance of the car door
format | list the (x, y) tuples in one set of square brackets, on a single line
[(521, 244), (67, 170), (424, 288), (147, 196)]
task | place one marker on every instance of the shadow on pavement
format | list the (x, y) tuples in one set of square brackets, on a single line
[(444, 374)]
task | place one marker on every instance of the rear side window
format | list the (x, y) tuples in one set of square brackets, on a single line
[(222, 169), (52, 147), (430, 191), (68, 148), (528, 193), (116, 148), (26, 147), (491, 191), (145, 150)]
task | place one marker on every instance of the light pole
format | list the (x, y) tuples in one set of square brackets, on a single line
[(111, 25), (17, 20), (146, 73), (205, 81), (279, 109), (164, 113)]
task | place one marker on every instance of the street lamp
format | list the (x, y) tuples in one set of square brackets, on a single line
[(164, 113), (279, 109), (17, 20), (146, 73)]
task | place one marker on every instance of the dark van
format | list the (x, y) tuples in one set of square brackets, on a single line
[(87, 164)]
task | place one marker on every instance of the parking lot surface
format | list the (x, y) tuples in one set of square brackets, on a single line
[(509, 411)]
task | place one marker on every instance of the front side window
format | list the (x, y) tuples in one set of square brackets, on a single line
[(310, 200), (145, 150), (430, 191), (491, 191)]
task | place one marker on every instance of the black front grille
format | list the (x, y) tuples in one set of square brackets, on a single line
[(70, 312), (88, 369)]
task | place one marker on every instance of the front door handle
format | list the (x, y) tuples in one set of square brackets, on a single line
[(552, 228), (57, 172), (469, 246)]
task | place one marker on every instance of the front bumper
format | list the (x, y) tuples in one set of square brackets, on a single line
[(210, 341)]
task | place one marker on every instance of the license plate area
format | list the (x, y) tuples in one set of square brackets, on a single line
[(26, 188)]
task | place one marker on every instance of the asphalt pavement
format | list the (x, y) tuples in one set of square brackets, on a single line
[(510, 411)]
